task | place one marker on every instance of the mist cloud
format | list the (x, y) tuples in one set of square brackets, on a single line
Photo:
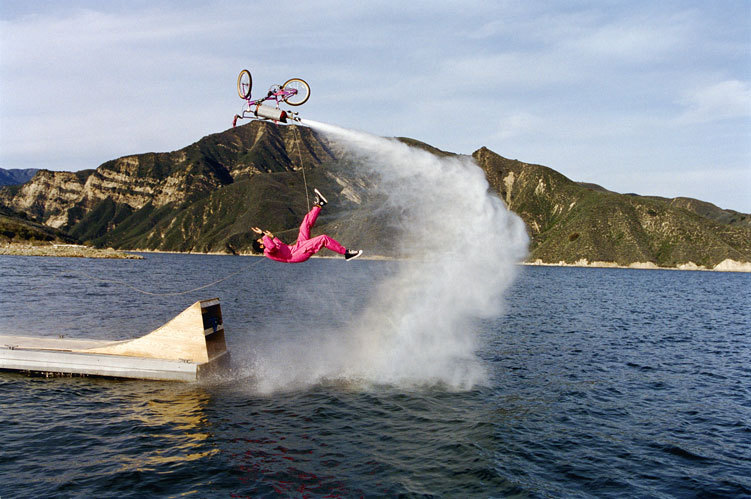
[(419, 325)]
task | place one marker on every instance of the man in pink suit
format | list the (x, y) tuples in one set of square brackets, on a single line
[(306, 246)]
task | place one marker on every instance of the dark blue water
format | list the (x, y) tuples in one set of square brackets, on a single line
[(602, 382)]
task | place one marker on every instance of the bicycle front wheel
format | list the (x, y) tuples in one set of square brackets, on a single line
[(244, 84), (302, 92)]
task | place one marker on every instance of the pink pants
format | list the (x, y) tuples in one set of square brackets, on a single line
[(307, 246)]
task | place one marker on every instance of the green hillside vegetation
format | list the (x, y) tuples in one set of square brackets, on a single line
[(569, 222), (710, 211), (98, 221), (19, 227)]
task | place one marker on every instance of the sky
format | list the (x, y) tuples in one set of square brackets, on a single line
[(650, 97)]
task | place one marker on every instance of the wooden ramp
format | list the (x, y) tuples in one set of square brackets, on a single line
[(188, 348)]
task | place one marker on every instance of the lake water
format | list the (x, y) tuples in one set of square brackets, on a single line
[(597, 382)]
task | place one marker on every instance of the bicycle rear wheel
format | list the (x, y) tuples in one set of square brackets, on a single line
[(302, 95), (244, 84)]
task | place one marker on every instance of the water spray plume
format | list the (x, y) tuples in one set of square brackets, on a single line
[(419, 325)]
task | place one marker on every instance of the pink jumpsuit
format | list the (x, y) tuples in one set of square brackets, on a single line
[(305, 247)]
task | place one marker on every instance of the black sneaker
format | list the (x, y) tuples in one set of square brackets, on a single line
[(319, 199), (352, 254)]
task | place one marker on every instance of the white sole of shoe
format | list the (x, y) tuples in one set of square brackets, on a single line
[(320, 196), (356, 256)]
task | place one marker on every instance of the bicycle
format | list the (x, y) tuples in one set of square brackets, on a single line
[(294, 92)]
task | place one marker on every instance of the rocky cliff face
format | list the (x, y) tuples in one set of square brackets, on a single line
[(206, 196), (46, 197)]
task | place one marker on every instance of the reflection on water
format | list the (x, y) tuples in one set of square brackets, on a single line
[(85, 429), (175, 415)]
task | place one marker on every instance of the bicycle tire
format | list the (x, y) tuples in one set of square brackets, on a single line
[(303, 92), (244, 85)]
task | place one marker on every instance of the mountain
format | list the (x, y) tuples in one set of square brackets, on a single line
[(204, 198), (569, 221), (16, 176)]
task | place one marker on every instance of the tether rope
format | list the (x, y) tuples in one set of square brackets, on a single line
[(143, 291), (175, 293), (302, 165)]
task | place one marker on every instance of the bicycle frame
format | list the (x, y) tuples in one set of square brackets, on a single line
[(256, 108), (276, 92)]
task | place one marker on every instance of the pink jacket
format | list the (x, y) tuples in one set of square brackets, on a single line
[(277, 250)]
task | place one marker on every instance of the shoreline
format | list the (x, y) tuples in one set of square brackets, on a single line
[(218, 253), (65, 251), (727, 265), (80, 251)]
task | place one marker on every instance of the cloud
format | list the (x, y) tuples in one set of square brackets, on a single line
[(96, 84), (631, 40), (518, 124), (724, 100), (541, 80)]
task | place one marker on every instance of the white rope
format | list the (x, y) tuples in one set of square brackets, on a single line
[(302, 166), (143, 291), (176, 293)]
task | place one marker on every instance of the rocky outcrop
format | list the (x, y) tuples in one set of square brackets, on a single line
[(63, 250), (47, 196)]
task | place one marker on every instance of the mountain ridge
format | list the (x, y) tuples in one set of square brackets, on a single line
[(16, 176), (205, 196)]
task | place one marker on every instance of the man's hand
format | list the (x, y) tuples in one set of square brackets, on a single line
[(264, 232)]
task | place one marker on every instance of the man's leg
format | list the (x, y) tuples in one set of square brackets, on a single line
[(316, 244), (307, 224)]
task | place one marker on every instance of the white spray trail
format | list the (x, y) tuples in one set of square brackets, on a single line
[(418, 327)]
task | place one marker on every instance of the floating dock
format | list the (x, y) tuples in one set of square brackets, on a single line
[(190, 347)]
